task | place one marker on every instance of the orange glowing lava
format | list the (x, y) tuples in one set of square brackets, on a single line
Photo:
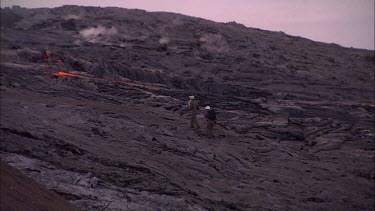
[(127, 83), (61, 73)]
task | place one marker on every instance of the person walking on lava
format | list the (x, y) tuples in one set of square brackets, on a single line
[(210, 121), (194, 108)]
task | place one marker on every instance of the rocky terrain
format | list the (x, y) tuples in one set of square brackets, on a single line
[(104, 122), (19, 192)]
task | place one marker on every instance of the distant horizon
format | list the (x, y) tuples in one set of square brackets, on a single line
[(348, 23)]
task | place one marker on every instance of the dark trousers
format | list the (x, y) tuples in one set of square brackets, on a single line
[(210, 127)]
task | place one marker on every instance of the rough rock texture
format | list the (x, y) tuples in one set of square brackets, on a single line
[(107, 128), (21, 193)]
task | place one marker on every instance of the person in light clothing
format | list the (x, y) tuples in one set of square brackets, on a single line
[(194, 108)]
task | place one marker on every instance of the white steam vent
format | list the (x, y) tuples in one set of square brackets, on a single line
[(94, 34), (71, 17), (164, 40)]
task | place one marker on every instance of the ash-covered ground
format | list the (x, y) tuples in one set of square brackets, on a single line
[(104, 121)]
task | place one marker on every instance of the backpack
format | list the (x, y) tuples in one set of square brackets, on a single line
[(211, 115)]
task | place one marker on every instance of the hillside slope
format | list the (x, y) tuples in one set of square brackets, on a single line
[(104, 122)]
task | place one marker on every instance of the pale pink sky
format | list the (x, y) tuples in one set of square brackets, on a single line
[(349, 23)]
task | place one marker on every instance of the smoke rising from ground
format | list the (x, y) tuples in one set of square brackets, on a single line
[(71, 17), (164, 40), (94, 34)]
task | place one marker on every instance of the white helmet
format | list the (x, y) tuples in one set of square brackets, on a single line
[(208, 107), (191, 97)]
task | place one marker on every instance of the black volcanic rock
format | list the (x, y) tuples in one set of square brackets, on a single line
[(104, 122)]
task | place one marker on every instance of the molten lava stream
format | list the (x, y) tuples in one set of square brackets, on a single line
[(62, 73)]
